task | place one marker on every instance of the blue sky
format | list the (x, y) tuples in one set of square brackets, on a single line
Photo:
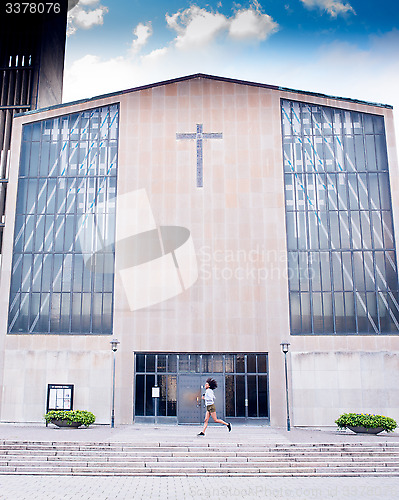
[(348, 48)]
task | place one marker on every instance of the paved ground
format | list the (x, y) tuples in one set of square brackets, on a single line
[(192, 488), (196, 488), (165, 433)]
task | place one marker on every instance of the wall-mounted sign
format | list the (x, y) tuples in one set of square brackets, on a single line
[(59, 397)]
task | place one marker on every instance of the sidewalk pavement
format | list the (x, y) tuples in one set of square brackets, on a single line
[(179, 433), (13, 487)]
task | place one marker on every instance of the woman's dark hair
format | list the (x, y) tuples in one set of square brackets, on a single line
[(212, 383)]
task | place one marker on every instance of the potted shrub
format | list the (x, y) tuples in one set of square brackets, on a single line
[(69, 418), (366, 423)]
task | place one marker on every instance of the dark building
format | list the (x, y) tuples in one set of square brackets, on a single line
[(32, 48)]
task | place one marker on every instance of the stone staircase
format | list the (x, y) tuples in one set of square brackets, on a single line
[(197, 457)]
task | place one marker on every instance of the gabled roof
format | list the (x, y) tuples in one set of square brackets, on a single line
[(209, 77)]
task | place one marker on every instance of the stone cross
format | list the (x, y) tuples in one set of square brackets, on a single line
[(200, 136)]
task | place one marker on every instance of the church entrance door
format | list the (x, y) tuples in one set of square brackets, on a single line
[(191, 406), (242, 391)]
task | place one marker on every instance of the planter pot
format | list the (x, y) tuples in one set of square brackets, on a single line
[(66, 423), (365, 430)]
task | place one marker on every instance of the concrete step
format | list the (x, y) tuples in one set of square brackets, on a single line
[(199, 441), (153, 462), (179, 464), (195, 442), (200, 449), (176, 464), (196, 452), (241, 473), (56, 456), (167, 456), (194, 470), (125, 459)]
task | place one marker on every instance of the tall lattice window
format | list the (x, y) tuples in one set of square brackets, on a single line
[(63, 262), (341, 249)]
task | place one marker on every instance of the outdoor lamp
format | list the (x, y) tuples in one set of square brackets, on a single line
[(284, 347), (114, 346)]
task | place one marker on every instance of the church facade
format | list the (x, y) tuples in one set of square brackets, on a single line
[(202, 222)]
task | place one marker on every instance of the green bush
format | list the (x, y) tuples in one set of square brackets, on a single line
[(366, 420), (82, 417)]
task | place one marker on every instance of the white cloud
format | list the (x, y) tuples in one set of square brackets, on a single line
[(195, 26), (252, 24), (343, 69), (155, 54), (336, 69), (142, 33), (84, 17), (88, 2), (333, 7), (371, 74), (90, 76)]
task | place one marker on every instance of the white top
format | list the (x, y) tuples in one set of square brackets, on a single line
[(209, 397)]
